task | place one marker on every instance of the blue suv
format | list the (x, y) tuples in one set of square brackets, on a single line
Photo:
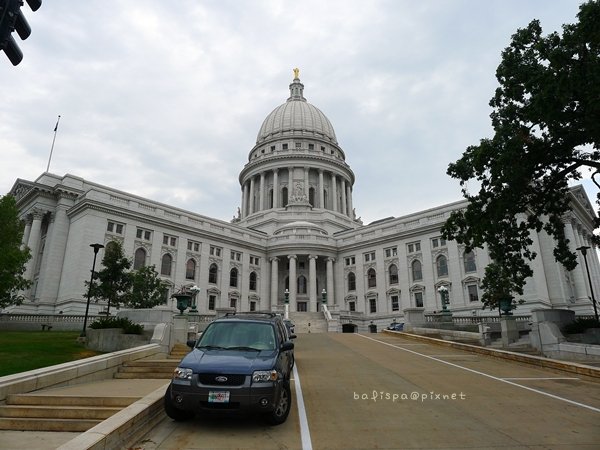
[(241, 363)]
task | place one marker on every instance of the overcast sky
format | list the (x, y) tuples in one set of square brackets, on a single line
[(165, 99)]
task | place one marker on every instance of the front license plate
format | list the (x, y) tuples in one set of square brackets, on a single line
[(218, 397)]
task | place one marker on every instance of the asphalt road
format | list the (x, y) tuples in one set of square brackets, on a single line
[(379, 391)]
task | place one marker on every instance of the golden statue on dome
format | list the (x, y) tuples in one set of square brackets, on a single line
[(296, 73)]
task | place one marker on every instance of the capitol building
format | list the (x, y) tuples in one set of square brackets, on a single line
[(296, 229)]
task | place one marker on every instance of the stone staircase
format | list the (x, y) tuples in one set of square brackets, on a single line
[(301, 320), (77, 413)]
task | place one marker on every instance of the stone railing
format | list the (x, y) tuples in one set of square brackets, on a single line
[(472, 320), (44, 321)]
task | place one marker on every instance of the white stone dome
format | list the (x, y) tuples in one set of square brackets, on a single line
[(296, 118)]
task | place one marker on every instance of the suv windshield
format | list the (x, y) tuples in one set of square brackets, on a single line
[(238, 336)]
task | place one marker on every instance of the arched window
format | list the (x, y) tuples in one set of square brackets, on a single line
[(301, 284), (371, 278), (233, 277), (139, 259), (165, 265), (311, 196), (252, 281), (212, 273), (469, 261), (442, 266), (351, 281), (284, 196), (190, 269), (393, 274), (417, 273)]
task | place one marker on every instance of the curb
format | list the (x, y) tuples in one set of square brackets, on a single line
[(570, 367)]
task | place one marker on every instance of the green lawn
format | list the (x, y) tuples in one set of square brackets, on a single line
[(27, 350)]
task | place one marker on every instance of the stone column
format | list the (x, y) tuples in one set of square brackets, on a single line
[(251, 197), (244, 211), (261, 194), (312, 283), (274, 281), (26, 231), (349, 200), (34, 241), (275, 188), (306, 182), (293, 259), (321, 190), (334, 202), (330, 294), (577, 273), (343, 189)]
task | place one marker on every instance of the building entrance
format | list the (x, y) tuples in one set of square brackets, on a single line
[(301, 307)]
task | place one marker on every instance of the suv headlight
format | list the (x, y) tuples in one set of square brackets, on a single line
[(182, 374), (264, 375)]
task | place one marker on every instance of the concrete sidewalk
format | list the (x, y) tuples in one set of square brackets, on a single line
[(42, 440)]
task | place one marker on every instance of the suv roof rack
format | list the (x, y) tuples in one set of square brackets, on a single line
[(254, 313)]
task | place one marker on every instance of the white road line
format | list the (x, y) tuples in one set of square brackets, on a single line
[(535, 378), (582, 405), (455, 356), (304, 431)]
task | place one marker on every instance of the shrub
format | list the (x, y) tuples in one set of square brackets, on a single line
[(580, 325), (118, 322)]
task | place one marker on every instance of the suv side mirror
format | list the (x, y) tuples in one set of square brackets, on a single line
[(288, 345), (191, 343), (293, 336)]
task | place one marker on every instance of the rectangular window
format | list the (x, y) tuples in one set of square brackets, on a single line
[(473, 294), (392, 251), (438, 242), (350, 261), (369, 256), (414, 247), (211, 302), (143, 234), (352, 306), (193, 246), (373, 305), (284, 146), (395, 303), (254, 260), (215, 251), (311, 146), (236, 256), (418, 299), (252, 306), (114, 227), (233, 302), (298, 144), (171, 241)]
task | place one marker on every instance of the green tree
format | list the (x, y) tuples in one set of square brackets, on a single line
[(113, 282), (147, 289), (546, 120), (13, 259)]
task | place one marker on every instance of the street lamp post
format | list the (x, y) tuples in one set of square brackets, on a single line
[(443, 291), (583, 249), (96, 248), (194, 290), (286, 296)]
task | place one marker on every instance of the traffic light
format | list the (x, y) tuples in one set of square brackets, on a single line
[(12, 19)]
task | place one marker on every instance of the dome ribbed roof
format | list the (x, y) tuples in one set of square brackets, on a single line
[(296, 117)]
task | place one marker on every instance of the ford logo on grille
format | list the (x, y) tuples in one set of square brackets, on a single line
[(221, 379)]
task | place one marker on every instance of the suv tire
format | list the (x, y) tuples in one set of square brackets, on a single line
[(173, 412), (284, 404)]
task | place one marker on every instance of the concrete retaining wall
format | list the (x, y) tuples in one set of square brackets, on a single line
[(95, 368)]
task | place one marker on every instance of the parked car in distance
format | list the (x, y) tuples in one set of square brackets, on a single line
[(394, 326), (242, 363)]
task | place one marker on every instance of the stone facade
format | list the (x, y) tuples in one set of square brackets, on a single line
[(297, 222)]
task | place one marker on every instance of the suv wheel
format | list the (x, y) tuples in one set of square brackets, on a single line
[(282, 409), (171, 411)]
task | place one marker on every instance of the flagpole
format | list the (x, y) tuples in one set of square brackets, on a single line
[(52, 148)]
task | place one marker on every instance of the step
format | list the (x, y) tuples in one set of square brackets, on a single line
[(26, 424), (54, 412), (69, 400)]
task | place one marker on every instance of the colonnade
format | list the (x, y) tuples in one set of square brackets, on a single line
[(313, 276), (256, 190), (579, 238)]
